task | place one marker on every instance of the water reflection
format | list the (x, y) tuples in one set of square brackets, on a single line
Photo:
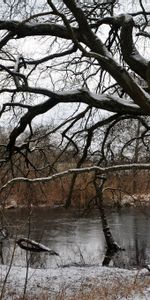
[(78, 239)]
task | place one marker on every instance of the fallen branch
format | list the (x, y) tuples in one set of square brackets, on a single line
[(30, 245), (147, 267), (101, 170)]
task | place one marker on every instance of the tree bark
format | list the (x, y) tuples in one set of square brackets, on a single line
[(112, 246)]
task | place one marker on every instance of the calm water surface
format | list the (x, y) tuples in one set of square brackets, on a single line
[(78, 239)]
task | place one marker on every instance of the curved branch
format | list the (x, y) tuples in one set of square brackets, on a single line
[(26, 120), (30, 245), (130, 54), (101, 101), (22, 29), (51, 56), (111, 103), (101, 170)]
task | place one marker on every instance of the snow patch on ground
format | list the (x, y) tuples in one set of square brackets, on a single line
[(69, 279)]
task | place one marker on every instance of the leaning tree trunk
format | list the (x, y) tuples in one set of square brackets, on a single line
[(136, 156), (112, 246)]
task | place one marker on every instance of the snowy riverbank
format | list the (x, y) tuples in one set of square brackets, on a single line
[(69, 281)]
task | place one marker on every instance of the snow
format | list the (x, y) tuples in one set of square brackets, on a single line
[(71, 279), (113, 168)]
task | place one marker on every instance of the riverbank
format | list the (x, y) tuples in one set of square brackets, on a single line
[(120, 189), (89, 282), (126, 200)]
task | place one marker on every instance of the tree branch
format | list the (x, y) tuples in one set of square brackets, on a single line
[(101, 170), (132, 57)]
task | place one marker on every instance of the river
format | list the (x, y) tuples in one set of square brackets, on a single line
[(76, 237)]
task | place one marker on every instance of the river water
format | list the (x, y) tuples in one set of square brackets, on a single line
[(77, 238)]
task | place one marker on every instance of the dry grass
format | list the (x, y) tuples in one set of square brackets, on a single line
[(118, 289), (115, 290), (56, 192)]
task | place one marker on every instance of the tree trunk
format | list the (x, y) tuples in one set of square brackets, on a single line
[(136, 157), (112, 246)]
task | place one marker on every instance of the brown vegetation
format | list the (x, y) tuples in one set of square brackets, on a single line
[(123, 188)]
